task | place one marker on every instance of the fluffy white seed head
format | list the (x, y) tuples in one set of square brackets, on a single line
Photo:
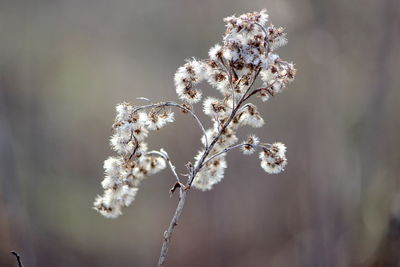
[(250, 144), (112, 166), (276, 37), (273, 159), (210, 174), (252, 117), (215, 52), (124, 111), (124, 173), (273, 168), (279, 148), (157, 120), (190, 74), (215, 107)]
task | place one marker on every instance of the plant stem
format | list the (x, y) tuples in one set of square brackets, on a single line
[(199, 165), (173, 223)]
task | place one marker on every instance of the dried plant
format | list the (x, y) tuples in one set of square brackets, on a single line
[(246, 53)]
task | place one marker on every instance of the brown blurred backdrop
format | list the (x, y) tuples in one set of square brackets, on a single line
[(65, 64)]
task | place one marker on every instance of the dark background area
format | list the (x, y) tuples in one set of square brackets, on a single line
[(65, 64)]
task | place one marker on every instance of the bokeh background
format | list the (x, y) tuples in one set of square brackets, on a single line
[(65, 64)]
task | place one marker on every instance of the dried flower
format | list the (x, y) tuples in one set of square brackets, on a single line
[(247, 51), (273, 159), (250, 145), (124, 173)]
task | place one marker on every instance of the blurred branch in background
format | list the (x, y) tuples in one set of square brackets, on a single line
[(18, 258)]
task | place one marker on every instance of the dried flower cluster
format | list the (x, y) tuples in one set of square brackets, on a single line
[(232, 68), (124, 172), (247, 50)]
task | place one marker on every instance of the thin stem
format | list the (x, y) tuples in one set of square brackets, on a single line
[(229, 72), (192, 175), (136, 145), (260, 89), (266, 146), (173, 104), (18, 258), (223, 152), (164, 155), (265, 38)]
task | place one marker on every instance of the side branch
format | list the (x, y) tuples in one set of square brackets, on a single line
[(162, 153), (174, 104), (266, 146)]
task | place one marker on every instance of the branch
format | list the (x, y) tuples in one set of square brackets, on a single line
[(174, 104), (192, 175), (162, 153), (233, 147), (260, 89), (265, 146), (18, 258), (136, 145)]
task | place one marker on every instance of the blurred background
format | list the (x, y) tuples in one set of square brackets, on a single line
[(65, 64)]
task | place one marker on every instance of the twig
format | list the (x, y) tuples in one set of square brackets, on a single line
[(18, 258), (164, 155), (265, 38), (174, 104), (266, 146), (229, 72), (136, 145), (260, 89)]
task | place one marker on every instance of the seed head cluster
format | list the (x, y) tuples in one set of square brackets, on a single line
[(247, 51), (124, 172)]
